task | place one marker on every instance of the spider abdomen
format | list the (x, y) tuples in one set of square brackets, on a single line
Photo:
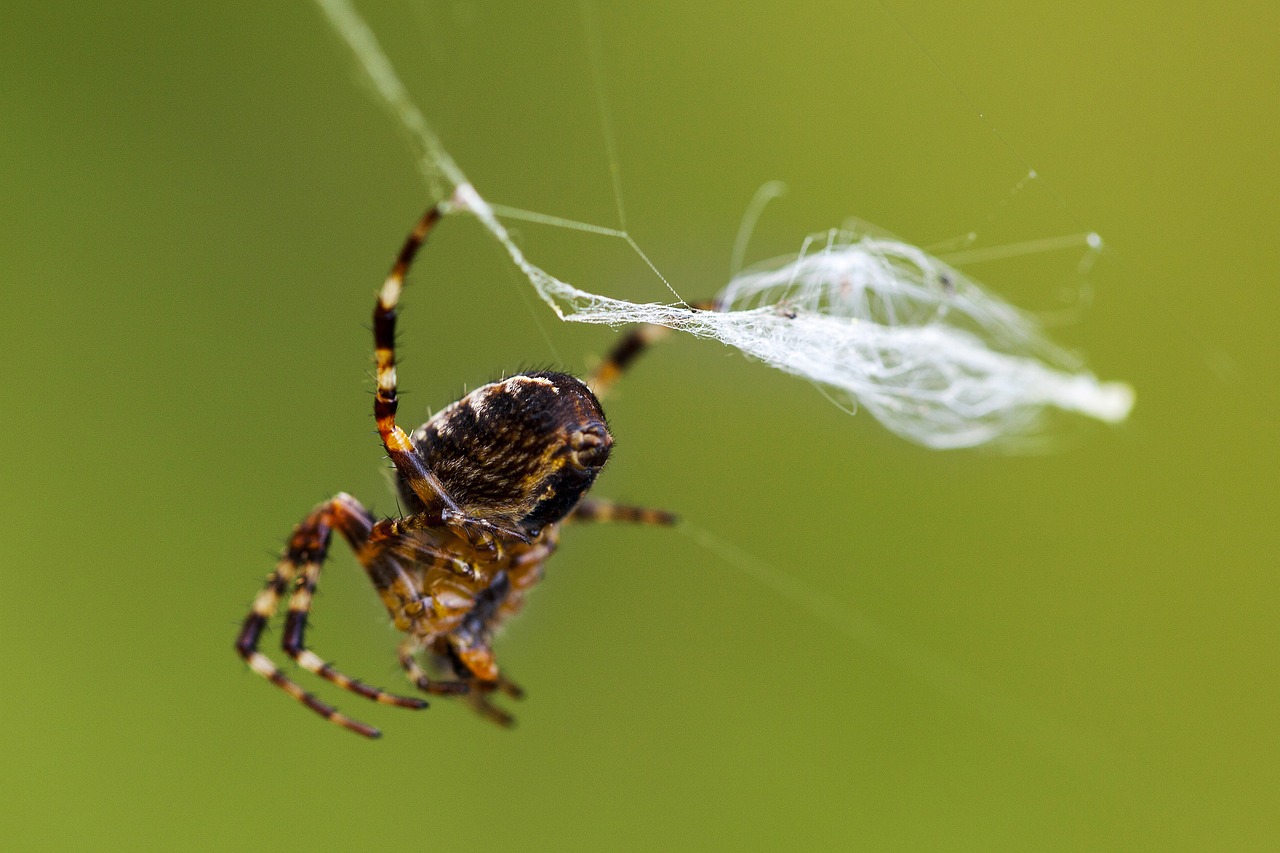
[(521, 451)]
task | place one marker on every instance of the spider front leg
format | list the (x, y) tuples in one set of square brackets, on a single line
[(465, 649), (300, 566), (473, 660), (480, 703), (418, 675), (474, 690)]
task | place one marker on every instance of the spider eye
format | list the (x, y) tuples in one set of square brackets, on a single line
[(590, 446)]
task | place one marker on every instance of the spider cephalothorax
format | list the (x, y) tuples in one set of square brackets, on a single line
[(485, 485)]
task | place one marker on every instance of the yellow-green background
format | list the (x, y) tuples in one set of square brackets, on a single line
[(1075, 651)]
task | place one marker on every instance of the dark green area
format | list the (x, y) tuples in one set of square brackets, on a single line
[(1069, 651)]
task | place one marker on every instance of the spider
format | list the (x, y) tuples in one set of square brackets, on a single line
[(485, 484)]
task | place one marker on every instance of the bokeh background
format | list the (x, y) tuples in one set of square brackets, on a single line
[(859, 643)]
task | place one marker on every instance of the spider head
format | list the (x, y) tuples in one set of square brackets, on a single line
[(520, 453)]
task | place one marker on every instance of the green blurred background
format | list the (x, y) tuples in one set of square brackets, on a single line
[(1059, 652)]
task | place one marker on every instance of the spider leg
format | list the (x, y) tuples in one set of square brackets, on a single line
[(510, 688), (404, 455), (465, 649), (264, 606), (474, 661), (480, 703), (418, 675), (473, 689), (632, 345), (592, 509), (394, 536), (300, 565)]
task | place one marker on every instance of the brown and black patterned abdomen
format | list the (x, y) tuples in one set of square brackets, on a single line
[(521, 451)]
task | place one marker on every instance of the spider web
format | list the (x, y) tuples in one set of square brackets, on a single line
[(874, 322)]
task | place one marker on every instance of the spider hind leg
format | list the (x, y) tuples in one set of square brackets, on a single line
[(299, 567)]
